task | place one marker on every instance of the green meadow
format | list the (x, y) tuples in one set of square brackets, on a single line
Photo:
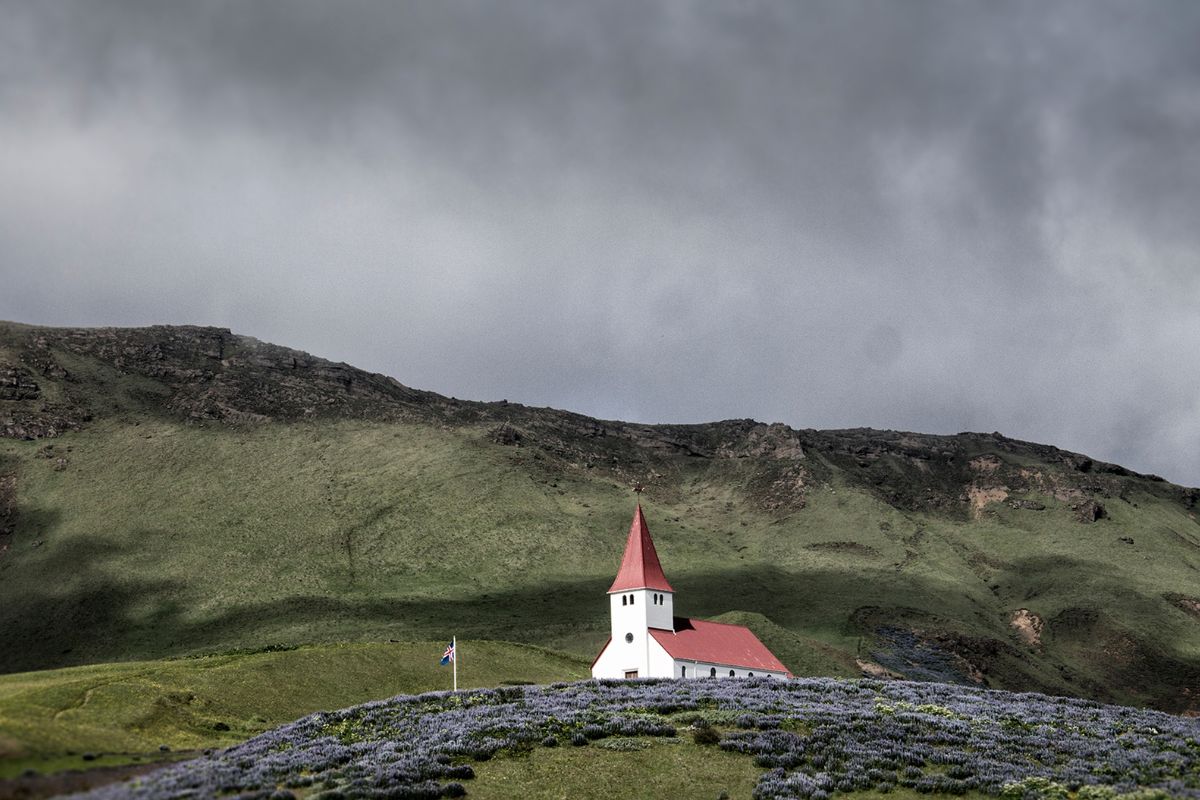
[(126, 712)]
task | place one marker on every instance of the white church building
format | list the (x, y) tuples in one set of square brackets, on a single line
[(649, 641)]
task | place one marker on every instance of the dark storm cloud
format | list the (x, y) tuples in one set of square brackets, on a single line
[(932, 216)]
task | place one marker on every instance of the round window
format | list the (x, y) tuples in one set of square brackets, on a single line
[(629, 638)]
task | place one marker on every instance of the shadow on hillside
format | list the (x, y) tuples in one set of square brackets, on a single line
[(85, 613), (78, 612), (85, 610)]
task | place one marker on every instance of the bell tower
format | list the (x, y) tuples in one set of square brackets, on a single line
[(639, 599)]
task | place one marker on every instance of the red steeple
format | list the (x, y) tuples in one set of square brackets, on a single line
[(639, 567)]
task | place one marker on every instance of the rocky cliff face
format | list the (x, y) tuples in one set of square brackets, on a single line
[(212, 375)]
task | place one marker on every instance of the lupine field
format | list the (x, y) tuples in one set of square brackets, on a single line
[(814, 738)]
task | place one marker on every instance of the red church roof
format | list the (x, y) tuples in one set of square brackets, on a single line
[(639, 567), (717, 643)]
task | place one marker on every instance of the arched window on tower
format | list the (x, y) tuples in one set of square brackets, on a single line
[(683, 672), (631, 598), (732, 673), (712, 673), (624, 599)]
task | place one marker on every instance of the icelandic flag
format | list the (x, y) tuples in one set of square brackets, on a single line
[(448, 656)]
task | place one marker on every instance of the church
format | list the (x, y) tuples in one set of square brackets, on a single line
[(649, 641)]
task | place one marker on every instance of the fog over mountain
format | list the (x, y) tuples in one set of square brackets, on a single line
[(930, 216)]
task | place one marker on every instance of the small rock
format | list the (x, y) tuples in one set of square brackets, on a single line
[(1089, 511), (1028, 505), (1127, 539), (506, 435)]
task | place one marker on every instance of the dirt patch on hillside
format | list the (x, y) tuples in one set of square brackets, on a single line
[(1189, 604), (872, 670), (979, 497), (781, 486), (986, 464), (1028, 626)]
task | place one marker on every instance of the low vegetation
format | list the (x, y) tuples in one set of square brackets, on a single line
[(811, 739)]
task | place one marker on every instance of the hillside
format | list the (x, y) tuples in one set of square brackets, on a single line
[(179, 490)]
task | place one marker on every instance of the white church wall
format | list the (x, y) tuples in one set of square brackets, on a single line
[(650, 660), (660, 609), (643, 655), (631, 610), (661, 664), (626, 616), (681, 668), (606, 664), (628, 650)]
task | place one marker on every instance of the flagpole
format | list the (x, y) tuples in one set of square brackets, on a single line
[(454, 644)]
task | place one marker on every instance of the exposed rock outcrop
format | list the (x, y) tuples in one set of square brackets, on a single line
[(1089, 511), (1027, 505), (17, 384), (210, 375), (1028, 626)]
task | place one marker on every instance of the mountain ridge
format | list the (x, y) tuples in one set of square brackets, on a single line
[(209, 383)]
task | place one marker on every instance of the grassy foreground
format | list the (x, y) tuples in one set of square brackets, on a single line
[(678, 768), (48, 720), (662, 768)]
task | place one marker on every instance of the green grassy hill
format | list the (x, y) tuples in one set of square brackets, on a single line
[(118, 713), (175, 491)]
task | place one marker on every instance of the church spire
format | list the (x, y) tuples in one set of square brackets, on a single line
[(640, 568)]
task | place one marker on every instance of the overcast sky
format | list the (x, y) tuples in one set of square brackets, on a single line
[(915, 215)]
